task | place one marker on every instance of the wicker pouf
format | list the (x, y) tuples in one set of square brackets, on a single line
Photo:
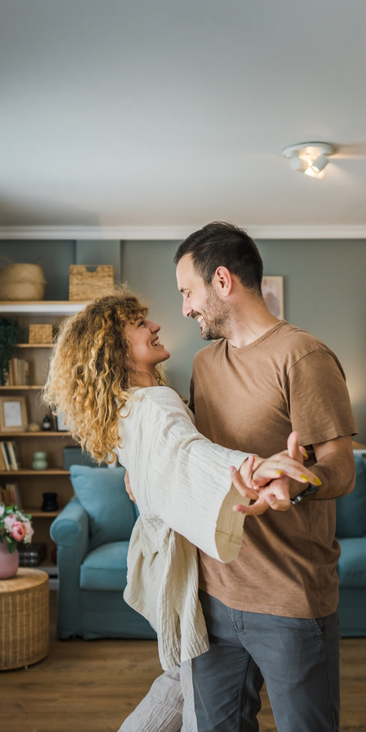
[(24, 619)]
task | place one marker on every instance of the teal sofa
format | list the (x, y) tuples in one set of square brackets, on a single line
[(92, 534), (351, 534)]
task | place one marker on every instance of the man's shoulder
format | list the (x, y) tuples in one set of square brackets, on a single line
[(297, 343)]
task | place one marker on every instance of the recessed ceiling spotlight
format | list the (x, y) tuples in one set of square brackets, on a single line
[(310, 158)]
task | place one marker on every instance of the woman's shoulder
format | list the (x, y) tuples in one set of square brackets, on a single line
[(161, 395)]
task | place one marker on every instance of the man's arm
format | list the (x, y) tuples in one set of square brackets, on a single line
[(335, 466)]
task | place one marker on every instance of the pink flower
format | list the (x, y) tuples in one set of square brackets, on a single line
[(9, 522), (18, 531), (2, 510), (28, 531)]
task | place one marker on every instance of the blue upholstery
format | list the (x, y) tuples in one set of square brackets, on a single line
[(351, 509), (103, 496), (351, 533), (105, 568), (352, 562), (92, 558)]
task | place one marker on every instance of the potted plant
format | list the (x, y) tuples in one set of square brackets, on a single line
[(15, 526), (10, 335)]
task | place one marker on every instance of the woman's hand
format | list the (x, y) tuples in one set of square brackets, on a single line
[(270, 478)]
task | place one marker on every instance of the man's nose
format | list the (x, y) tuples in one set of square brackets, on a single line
[(154, 328), (186, 309)]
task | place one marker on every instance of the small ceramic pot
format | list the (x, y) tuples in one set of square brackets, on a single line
[(9, 563), (49, 502), (39, 461)]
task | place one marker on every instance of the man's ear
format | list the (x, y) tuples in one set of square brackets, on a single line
[(222, 281)]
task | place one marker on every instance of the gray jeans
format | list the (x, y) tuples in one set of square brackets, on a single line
[(298, 659)]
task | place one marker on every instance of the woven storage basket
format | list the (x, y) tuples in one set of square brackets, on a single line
[(40, 333), (86, 285), (24, 618), (22, 282)]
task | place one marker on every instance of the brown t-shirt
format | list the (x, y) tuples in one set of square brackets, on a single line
[(250, 399)]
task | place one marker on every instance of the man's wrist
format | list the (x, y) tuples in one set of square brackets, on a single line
[(307, 494)]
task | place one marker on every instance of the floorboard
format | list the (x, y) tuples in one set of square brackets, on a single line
[(92, 686)]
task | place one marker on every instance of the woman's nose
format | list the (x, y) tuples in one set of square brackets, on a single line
[(154, 327)]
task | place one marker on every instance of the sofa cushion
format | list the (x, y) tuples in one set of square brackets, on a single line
[(352, 562), (105, 568), (351, 509), (102, 494)]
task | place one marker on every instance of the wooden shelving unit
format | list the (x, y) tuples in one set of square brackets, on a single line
[(32, 483), (33, 387), (36, 513), (23, 473), (34, 345), (60, 433)]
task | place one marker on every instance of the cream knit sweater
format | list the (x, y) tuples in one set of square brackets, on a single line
[(182, 485)]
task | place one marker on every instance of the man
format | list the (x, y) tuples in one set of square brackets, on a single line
[(271, 614)]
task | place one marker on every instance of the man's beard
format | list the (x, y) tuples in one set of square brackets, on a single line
[(216, 320)]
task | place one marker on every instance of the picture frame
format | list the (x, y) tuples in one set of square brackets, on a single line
[(60, 424), (272, 290), (13, 414)]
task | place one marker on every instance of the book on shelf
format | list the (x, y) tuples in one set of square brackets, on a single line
[(12, 495), (18, 372), (9, 459)]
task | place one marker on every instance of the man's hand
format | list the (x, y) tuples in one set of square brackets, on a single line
[(128, 487)]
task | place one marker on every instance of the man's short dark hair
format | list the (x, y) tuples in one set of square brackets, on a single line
[(224, 245)]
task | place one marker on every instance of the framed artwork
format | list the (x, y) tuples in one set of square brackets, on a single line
[(60, 422), (272, 289), (13, 414)]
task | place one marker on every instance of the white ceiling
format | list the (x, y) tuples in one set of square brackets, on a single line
[(171, 113)]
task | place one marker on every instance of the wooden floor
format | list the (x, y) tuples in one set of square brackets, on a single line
[(91, 686)]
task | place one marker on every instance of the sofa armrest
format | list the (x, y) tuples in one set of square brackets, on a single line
[(70, 531)]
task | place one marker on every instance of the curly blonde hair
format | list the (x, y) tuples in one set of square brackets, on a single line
[(92, 370)]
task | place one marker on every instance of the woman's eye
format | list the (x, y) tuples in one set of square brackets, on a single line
[(141, 323)]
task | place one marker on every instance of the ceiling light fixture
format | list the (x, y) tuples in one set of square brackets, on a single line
[(310, 158)]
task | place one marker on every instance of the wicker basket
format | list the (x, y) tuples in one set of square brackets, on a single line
[(22, 282), (40, 333), (24, 618), (86, 285)]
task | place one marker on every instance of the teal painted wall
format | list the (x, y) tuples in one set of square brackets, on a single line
[(324, 288), (54, 257)]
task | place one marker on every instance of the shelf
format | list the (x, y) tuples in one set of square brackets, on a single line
[(47, 566), (44, 307), (44, 433), (38, 513), (34, 345), (22, 473), (21, 388)]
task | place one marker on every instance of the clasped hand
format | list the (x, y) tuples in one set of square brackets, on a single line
[(271, 482)]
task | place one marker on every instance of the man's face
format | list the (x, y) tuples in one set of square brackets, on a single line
[(201, 302)]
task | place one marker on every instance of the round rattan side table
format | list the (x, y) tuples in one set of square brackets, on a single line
[(24, 619)]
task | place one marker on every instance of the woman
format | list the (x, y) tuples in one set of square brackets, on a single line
[(103, 375)]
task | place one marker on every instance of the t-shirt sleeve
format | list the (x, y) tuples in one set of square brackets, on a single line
[(318, 399)]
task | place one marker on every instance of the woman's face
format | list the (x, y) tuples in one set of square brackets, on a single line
[(146, 347)]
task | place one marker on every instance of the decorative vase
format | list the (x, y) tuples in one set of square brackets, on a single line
[(39, 461), (49, 502), (9, 563)]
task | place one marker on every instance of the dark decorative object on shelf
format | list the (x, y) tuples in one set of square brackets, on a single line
[(31, 555), (49, 502), (10, 335), (47, 424)]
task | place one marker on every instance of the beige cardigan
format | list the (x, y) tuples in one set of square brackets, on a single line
[(182, 485)]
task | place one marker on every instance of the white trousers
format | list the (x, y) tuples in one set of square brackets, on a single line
[(168, 706)]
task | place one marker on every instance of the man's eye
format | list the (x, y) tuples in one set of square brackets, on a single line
[(141, 323)]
